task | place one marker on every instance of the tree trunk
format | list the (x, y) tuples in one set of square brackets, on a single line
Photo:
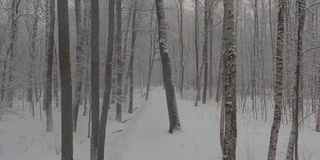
[(65, 77), (94, 78), (293, 141), (133, 41), (205, 52), (278, 88), (10, 52), (119, 61), (166, 68), (181, 45), (230, 81), (107, 80), (48, 90), (79, 63), (196, 31)]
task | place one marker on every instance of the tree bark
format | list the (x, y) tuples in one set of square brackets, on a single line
[(230, 81), (79, 63), (133, 41), (94, 79), (205, 52), (48, 90), (107, 80), (119, 61), (166, 68), (65, 78), (278, 88), (181, 45), (293, 140)]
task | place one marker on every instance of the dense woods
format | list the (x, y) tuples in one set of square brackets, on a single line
[(93, 60)]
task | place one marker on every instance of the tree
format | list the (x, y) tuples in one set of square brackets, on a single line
[(230, 81), (48, 90), (94, 79), (278, 88), (131, 60), (10, 52), (65, 78), (166, 69), (181, 45), (79, 64), (119, 61), (107, 81), (205, 52), (32, 53), (297, 89)]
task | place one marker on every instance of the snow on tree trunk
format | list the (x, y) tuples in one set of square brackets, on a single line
[(278, 88), (230, 81), (65, 78), (166, 67)]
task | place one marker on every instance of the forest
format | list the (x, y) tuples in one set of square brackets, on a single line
[(159, 79)]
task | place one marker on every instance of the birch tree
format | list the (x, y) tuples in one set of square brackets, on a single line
[(230, 81), (278, 88)]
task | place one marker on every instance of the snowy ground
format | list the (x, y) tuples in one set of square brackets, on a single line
[(144, 135)]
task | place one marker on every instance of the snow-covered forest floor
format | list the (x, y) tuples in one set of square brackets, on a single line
[(144, 135)]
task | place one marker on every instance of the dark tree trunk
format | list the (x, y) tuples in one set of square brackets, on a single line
[(181, 49), (108, 79), (48, 90), (119, 61), (196, 31), (166, 68), (133, 41), (65, 78), (94, 78), (79, 64), (205, 52)]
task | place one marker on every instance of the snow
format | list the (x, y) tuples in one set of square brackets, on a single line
[(144, 135)]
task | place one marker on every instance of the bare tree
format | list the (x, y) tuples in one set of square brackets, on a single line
[(166, 68), (48, 90), (205, 52), (107, 81), (79, 63), (230, 81), (119, 61), (278, 88), (131, 60), (95, 105), (65, 78), (297, 89)]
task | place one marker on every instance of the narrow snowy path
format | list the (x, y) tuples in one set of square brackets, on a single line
[(147, 137)]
